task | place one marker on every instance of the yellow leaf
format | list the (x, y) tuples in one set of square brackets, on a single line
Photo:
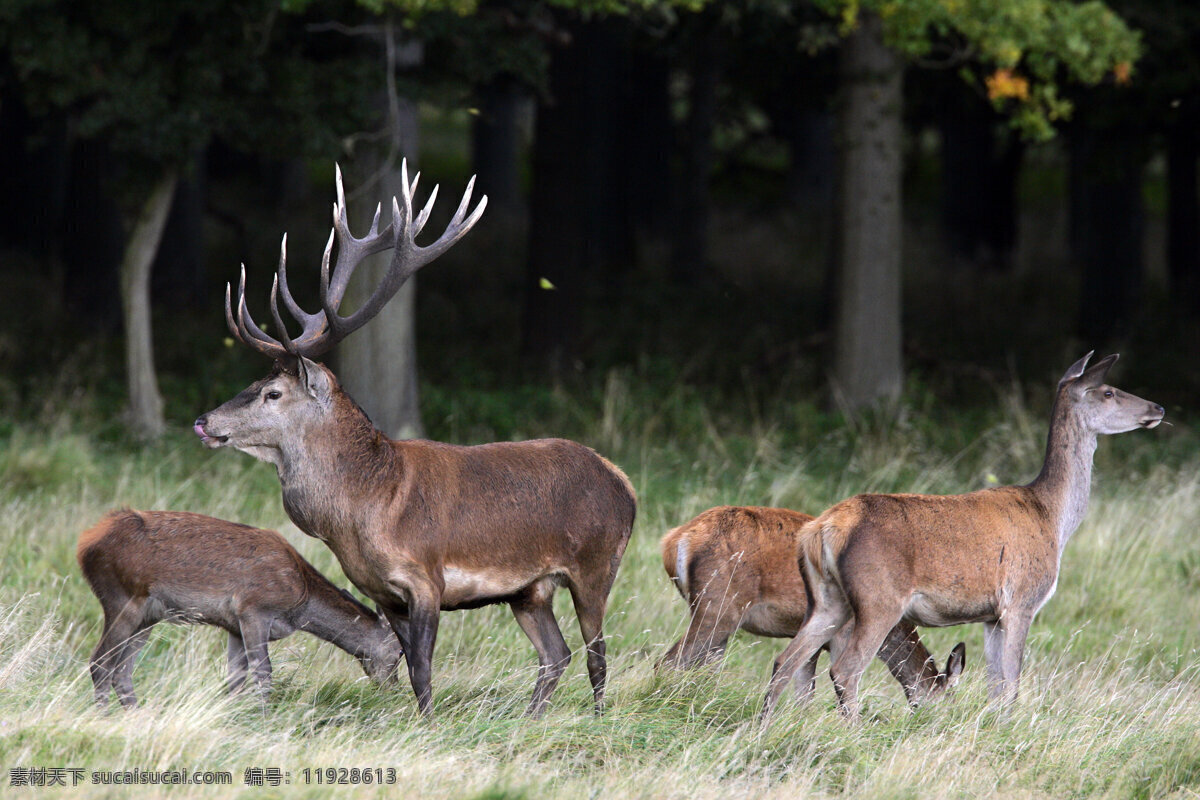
[(1005, 83), (544, 283)]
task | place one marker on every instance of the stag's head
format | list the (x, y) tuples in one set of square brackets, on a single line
[(1099, 407), (299, 392)]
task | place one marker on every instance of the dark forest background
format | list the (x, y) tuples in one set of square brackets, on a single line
[(844, 203)]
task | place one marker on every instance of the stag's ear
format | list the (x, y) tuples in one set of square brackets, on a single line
[(1096, 373), (315, 380), (1076, 369)]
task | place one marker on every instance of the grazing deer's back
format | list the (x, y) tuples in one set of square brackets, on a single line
[(176, 552), (754, 545)]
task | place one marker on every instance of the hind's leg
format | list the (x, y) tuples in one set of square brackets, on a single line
[(828, 614)]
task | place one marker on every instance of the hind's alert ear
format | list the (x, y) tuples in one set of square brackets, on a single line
[(1095, 374), (1076, 369)]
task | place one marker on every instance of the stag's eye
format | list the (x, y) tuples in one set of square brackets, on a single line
[(1108, 393), (273, 395)]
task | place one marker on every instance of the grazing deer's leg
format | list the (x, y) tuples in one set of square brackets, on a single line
[(238, 663), (123, 667), (830, 611), (534, 611), (256, 633), (993, 654), (122, 616), (708, 632), (909, 662)]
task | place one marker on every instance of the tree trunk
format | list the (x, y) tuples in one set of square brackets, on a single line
[(377, 365), (145, 415), (867, 355), (1107, 222), (1183, 213)]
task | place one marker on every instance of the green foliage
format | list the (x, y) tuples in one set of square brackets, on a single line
[(1032, 47), (159, 80)]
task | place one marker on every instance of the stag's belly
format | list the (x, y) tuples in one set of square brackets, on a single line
[(469, 588)]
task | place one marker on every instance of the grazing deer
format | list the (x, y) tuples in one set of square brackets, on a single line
[(418, 526), (991, 556), (150, 566), (736, 568)]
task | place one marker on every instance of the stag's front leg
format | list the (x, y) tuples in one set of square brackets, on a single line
[(417, 631)]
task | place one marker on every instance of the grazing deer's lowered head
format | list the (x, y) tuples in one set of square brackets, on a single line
[(736, 568), (150, 566), (423, 526), (990, 556)]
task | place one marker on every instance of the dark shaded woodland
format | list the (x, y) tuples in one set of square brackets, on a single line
[(671, 192)]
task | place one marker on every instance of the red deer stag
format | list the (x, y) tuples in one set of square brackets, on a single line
[(736, 568), (991, 556), (421, 527), (150, 566)]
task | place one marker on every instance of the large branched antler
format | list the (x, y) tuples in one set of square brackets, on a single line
[(325, 328)]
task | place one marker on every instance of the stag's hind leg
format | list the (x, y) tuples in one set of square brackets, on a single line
[(534, 610), (590, 603)]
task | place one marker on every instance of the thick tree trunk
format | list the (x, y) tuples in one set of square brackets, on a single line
[(145, 415), (1107, 223), (1183, 213), (867, 356), (378, 364)]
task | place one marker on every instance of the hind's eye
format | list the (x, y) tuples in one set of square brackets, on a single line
[(273, 395), (1108, 392)]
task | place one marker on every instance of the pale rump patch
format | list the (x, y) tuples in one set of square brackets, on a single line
[(681, 564)]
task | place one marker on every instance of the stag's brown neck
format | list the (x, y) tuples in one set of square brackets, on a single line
[(1065, 482), (329, 470)]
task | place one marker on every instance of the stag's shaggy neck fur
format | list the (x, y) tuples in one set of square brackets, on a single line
[(329, 467)]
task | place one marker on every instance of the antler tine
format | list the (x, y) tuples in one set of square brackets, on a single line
[(351, 251), (409, 256), (326, 328), (250, 333), (423, 217), (284, 339), (281, 281)]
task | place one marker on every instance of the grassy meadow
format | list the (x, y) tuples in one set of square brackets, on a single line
[(1110, 693)]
